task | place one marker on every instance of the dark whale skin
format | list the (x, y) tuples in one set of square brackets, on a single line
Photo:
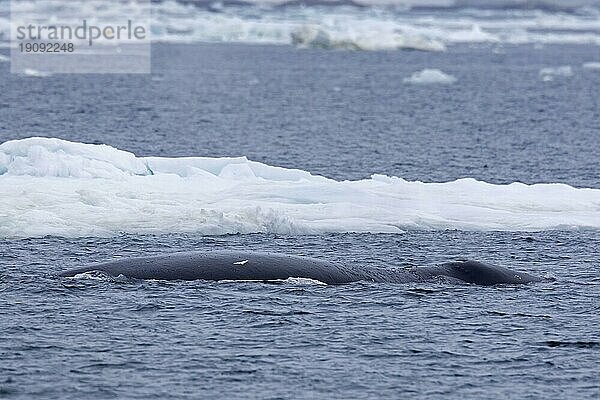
[(262, 266)]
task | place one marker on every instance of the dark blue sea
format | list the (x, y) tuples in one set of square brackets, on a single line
[(344, 115)]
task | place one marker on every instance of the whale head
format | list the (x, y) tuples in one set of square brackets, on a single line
[(486, 274)]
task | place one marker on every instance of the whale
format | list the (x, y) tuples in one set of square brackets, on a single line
[(220, 265)]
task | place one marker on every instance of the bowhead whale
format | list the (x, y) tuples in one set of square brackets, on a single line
[(261, 266)]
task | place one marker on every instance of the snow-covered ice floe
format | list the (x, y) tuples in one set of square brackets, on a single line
[(55, 187), (430, 76)]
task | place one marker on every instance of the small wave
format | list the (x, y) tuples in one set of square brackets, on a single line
[(302, 281), (99, 276), (577, 344), (55, 187), (277, 313), (92, 275), (289, 281), (430, 76), (4, 58)]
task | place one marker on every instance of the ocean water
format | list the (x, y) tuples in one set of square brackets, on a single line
[(99, 338), (487, 149)]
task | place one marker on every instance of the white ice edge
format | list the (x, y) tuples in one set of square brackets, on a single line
[(56, 187)]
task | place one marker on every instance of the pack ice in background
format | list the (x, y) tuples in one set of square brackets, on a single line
[(429, 25)]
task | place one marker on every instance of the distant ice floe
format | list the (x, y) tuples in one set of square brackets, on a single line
[(430, 76), (429, 25), (318, 37), (35, 73), (591, 65), (548, 74), (4, 58), (56, 187)]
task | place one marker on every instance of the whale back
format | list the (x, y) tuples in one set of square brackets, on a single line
[(261, 266), (223, 265), (484, 274)]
